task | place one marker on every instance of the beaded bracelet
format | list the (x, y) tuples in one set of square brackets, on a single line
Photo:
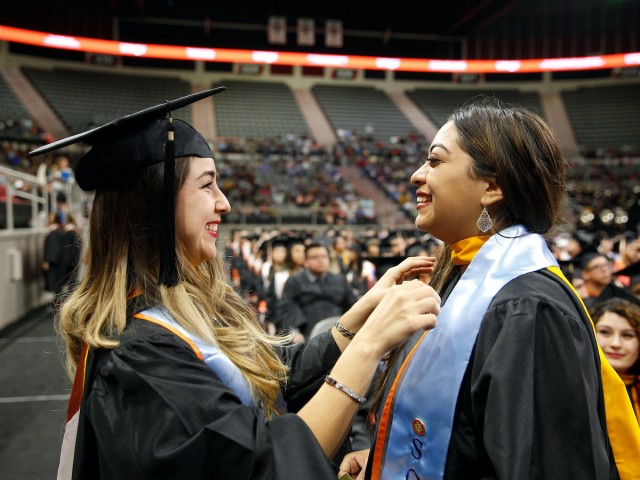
[(343, 388), (344, 331)]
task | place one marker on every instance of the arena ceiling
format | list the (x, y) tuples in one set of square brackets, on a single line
[(457, 17), (243, 24)]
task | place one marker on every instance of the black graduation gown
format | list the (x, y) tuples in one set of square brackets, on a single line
[(305, 302), (152, 409), (612, 291), (530, 404), (70, 255), (53, 252)]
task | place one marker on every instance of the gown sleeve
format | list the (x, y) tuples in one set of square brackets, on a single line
[(154, 410), (290, 313), (309, 363), (528, 406)]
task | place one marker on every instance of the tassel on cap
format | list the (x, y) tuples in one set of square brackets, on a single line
[(123, 148), (168, 260)]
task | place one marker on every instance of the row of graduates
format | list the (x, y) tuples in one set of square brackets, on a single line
[(62, 252), (261, 264), (261, 269)]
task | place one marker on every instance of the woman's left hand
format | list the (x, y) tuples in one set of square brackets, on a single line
[(354, 464), (409, 267)]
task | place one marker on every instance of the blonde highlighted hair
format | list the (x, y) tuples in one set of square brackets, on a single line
[(124, 256)]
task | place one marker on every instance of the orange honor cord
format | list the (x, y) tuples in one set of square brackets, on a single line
[(134, 293), (385, 418), (622, 425), (81, 370), (78, 383), (195, 349)]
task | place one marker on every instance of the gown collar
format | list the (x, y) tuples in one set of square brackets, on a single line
[(463, 251)]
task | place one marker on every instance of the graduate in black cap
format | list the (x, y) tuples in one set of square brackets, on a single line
[(174, 375), (596, 270), (293, 264)]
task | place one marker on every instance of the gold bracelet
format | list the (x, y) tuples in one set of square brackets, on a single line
[(344, 331), (343, 388)]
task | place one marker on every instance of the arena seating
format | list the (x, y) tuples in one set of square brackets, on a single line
[(605, 116), (266, 127), (10, 106), (437, 104), (258, 110), (363, 111), (86, 99)]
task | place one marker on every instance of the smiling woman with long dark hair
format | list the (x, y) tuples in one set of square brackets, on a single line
[(510, 385)]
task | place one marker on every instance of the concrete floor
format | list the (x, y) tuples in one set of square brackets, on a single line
[(34, 390)]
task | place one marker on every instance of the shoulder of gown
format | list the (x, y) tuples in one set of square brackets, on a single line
[(153, 409)]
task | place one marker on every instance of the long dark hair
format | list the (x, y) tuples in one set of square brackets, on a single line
[(517, 148)]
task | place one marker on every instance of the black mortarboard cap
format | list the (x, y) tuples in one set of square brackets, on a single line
[(295, 240), (384, 263), (416, 248), (280, 241), (583, 260), (121, 149), (630, 270), (266, 246), (614, 291), (130, 143)]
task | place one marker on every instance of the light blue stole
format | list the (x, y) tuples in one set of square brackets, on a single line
[(213, 357), (422, 419)]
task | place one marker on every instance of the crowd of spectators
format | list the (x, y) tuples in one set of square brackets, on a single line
[(604, 191), (17, 139), (267, 181), (350, 255), (23, 129), (291, 179)]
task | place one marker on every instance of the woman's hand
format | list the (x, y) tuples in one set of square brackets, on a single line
[(410, 267), (403, 310), (355, 464)]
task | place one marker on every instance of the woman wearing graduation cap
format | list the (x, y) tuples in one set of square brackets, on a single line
[(174, 376), (510, 385)]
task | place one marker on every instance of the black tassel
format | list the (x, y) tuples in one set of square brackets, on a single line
[(168, 260)]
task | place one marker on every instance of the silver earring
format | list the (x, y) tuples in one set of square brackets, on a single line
[(484, 222)]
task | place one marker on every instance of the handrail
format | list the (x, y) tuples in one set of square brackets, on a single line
[(8, 178)]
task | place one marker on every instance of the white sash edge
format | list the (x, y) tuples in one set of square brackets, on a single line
[(65, 467)]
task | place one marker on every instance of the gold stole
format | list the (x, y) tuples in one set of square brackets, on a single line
[(624, 433)]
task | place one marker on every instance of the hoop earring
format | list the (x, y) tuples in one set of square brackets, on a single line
[(484, 222)]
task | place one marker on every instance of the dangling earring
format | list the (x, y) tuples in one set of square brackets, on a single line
[(484, 222)]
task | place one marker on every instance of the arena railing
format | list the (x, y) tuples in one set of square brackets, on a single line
[(25, 198)]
